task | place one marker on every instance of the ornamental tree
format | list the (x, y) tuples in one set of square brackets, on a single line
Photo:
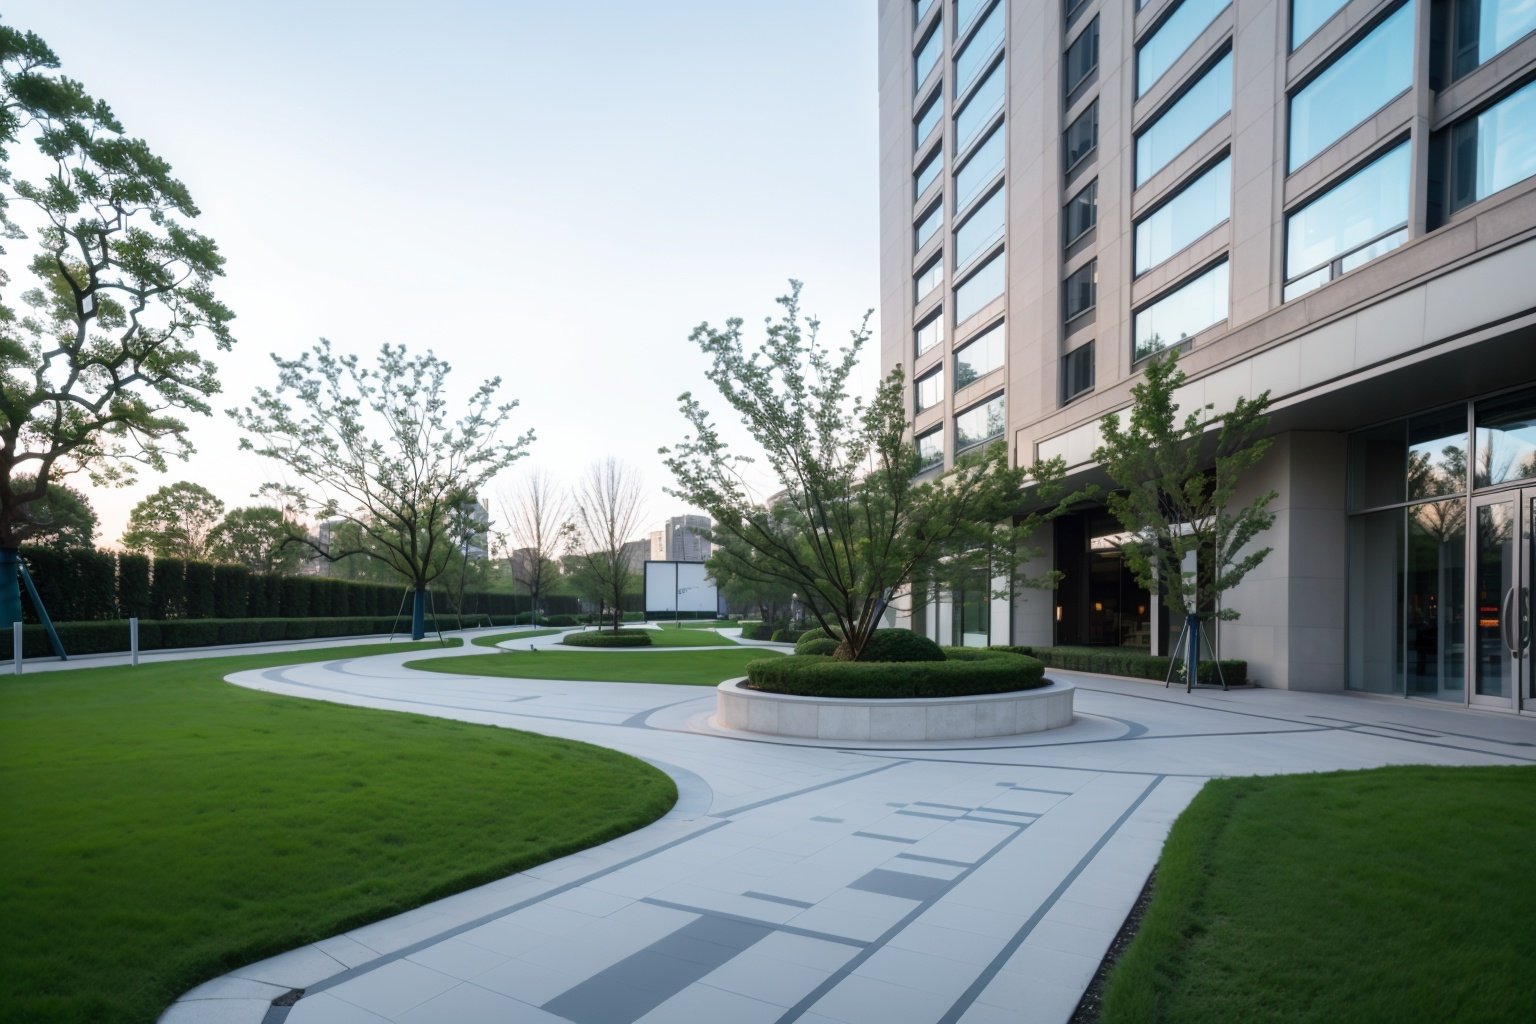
[(176, 521), (853, 524), (61, 519), (608, 507), (536, 512), (373, 449), (256, 537), (117, 307)]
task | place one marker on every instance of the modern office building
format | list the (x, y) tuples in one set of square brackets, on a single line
[(1332, 200), (682, 539)]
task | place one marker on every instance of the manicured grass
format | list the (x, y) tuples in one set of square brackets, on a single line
[(160, 826), (1399, 894), (689, 638), (521, 634), (693, 668), (699, 624)]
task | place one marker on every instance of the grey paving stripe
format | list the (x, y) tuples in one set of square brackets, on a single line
[(1013, 814), (1032, 789), (935, 860), (785, 900), (1054, 767), (809, 933), (997, 821), (951, 807), (833, 821), (902, 885), (895, 763), (985, 978), (888, 839), (926, 814)]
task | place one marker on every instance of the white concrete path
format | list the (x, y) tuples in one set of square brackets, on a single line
[(973, 882)]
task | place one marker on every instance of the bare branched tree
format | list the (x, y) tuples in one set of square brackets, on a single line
[(608, 512), (536, 512)]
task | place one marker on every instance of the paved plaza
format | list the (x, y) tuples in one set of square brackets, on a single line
[(972, 882)]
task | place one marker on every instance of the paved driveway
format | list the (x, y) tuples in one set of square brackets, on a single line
[(970, 882)]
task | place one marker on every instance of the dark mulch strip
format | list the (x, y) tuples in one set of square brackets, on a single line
[(1089, 1007)]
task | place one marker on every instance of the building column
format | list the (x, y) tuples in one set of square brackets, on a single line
[(1034, 608)]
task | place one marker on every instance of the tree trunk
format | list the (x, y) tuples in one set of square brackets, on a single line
[(419, 613), (1192, 659)]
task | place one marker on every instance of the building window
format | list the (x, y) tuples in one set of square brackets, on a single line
[(1082, 137), (1073, 6), (981, 228), (927, 56), (1197, 208), (978, 171), (928, 120), (1307, 16), (1506, 439), (1481, 29), (930, 448), (1202, 105), (1077, 372), (1182, 313), (930, 389), (1353, 87), (930, 332), (928, 173), (1357, 220), (979, 424), (965, 13), (1495, 149), (1081, 214), (980, 288), (979, 356), (1082, 57), (979, 110), (1166, 45), (931, 222), (920, 8), (1081, 290), (982, 45), (929, 278)]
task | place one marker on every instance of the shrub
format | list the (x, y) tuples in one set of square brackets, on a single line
[(763, 630), (609, 638), (168, 589), (293, 599), (133, 586), (198, 580), (822, 645), (560, 621), (814, 636), (1115, 662), (96, 578), (231, 584), (969, 673), (900, 645)]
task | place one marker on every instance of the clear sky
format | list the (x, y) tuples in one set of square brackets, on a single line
[(551, 192)]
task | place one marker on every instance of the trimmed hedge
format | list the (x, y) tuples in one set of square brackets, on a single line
[(1114, 662), (824, 645), (966, 672), (900, 645), (783, 636), (762, 630), (609, 638)]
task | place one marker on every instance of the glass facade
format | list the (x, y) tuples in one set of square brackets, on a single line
[(1077, 372), (1506, 439), (981, 228), (1081, 213), (929, 389), (1182, 313), (927, 56), (1166, 45), (1082, 56), (1196, 209), (979, 424), (982, 166), (979, 49), (1363, 216), (979, 356), (1496, 148), (1205, 103), (1082, 136), (966, 11), (1353, 87), (980, 288), (929, 278), (928, 173), (930, 448), (928, 226), (1080, 291), (983, 105), (1481, 29), (1307, 16), (930, 332), (928, 120)]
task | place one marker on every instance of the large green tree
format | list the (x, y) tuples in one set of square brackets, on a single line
[(62, 518), (374, 448), (175, 521), (257, 537), (107, 348), (853, 524)]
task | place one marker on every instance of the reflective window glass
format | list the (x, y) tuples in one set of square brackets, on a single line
[(920, 8), (1365, 209), (1307, 16), (1199, 207), (981, 168), (986, 101), (966, 11), (1353, 87), (1082, 136), (1082, 213), (1437, 453), (929, 278), (927, 56), (1082, 56), (1495, 149), (927, 173), (1182, 313), (930, 448), (930, 223), (981, 228), (930, 332), (1506, 439), (1165, 46), (1080, 291), (1375, 575), (1206, 102), (1481, 29), (1077, 372), (928, 119), (979, 424), (930, 389), (979, 356), (978, 49), (980, 288)]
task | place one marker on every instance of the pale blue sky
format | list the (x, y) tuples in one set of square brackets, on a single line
[(553, 192)]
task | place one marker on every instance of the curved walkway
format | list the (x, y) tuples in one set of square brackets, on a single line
[(973, 882)]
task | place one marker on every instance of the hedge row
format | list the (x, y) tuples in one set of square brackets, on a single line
[(1113, 662), (751, 630), (85, 585), (609, 638), (966, 672)]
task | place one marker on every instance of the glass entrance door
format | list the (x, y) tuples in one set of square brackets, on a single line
[(1505, 570)]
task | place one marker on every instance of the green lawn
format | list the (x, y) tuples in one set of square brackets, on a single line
[(521, 634), (699, 624), (694, 668), (160, 826), (689, 638), (1400, 894)]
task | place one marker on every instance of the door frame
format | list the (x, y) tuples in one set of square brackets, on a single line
[(1514, 605)]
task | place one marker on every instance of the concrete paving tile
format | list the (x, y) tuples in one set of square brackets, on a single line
[(299, 968), (765, 978), (471, 1004), (858, 999), (324, 1008), (919, 970), (535, 984), (348, 950), (228, 987), (700, 1002), (393, 988), (949, 943), (586, 900), (506, 936), (216, 1011), (806, 951), (458, 958)]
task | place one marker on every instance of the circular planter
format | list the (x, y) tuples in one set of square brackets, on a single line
[(927, 718)]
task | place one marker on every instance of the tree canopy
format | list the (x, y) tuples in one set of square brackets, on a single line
[(62, 518), (257, 537), (175, 521)]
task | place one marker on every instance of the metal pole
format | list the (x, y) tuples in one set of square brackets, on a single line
[(133, 638), (16, 644)]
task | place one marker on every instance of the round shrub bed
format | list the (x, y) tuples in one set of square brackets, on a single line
[(825, 645), (615, 638), (964, 672)]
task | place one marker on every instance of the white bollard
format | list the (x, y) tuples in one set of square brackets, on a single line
[(133, 637), (16, 644)]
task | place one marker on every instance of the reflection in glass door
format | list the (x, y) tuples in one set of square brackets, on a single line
[(1502, 591)]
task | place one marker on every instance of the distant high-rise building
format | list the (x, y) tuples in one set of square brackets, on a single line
[(682, 539)]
